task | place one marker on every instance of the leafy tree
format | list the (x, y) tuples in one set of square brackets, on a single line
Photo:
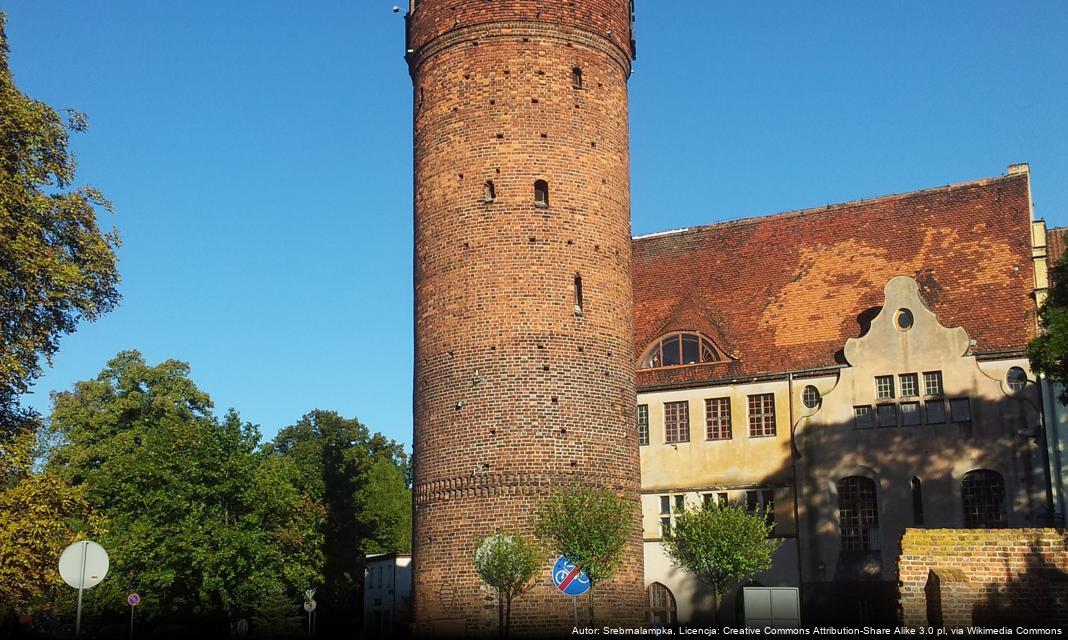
[(200, 520), (56, 266), (589, 526), (39, 516), (277, 617), (721, 545), (361, 479), (1048, 352), (508, 563)]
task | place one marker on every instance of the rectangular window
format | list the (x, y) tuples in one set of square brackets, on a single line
[(718, 418), (761, 415), (936, 411), (643, 424), (932, 383), (676, 422), (709, 499), (722, 498), (680, 503), (910, 386), (863, 418), (910, 414), (665, 527), (752, 501), (960, 410), (665, 504), (887, 415), (884, 387)]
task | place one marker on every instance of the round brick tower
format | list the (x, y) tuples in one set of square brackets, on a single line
[(524, 356)]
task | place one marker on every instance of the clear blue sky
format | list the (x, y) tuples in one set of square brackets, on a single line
[(259, 156)]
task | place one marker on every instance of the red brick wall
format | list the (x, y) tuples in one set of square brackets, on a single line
[(989, 577), (515, 393)]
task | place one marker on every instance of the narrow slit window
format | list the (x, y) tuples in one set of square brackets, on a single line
[(541, 193), (576, 78), (917, 502), (491, 192), (578, 295)]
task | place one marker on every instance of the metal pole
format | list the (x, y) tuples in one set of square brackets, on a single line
[(309, 623), (574, 602), (131, 621), (81, 585)]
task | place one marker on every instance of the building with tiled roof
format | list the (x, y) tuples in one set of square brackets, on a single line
[(855, 369)]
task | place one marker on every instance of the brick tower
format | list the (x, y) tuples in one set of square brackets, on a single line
[(524, 357)]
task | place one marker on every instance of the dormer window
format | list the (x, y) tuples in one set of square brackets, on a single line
[(680, 349)]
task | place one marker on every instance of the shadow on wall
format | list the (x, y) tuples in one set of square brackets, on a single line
[(862, 487), (1037, 597)]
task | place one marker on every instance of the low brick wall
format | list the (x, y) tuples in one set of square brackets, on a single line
[(958, 577)]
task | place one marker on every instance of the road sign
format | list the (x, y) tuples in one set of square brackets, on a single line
[(133, 599), (83, 564), (310, 605), (569, 579)]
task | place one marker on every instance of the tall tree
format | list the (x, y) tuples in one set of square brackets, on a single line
[(56, 266), (200, 520), (721, 545), (1048, 352), (361, 479), (40, 515), (589, 526)]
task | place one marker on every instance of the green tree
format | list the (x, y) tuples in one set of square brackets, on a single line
[(201, 521), (1048, 352), (361, 479), (56, 266), (721, 545), (589, 526), (39, 516), (277, 617), (508, 563)]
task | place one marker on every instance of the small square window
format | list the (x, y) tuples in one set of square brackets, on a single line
[(960, 410), (884, 387), (887, 415), (863, 418), (909, 385), (936, 411), (643, 424), (932, 383), (910, 414)]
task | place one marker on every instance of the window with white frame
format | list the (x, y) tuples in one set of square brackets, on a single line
[(643, 424), (932, 383), (909, 385), (884, 387)]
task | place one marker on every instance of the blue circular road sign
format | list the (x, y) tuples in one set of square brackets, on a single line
[(570, 579)]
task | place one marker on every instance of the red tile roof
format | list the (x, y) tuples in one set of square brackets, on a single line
[(1055, 244), (784, 292)]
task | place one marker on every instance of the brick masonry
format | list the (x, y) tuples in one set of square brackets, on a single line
[(517, 392), (988, 577)]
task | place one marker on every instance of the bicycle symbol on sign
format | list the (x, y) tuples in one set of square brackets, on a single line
[(570, 579)]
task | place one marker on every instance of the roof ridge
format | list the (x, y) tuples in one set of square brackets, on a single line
[(834, 207)]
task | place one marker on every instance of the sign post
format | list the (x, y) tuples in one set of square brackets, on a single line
[(83, 565), (570, 580), (309, 606), (133, 600)]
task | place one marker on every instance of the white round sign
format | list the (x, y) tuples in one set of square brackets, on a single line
[(83, 564), (309, 606)]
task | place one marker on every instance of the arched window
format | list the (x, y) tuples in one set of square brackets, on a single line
[(576, 78), (917, 502), (680, 348), (1017, 379), (661, 603), (858, 514), (983, 495), (541, 193)]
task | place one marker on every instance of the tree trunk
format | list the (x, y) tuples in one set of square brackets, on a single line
[(500, 615), (715, 608), (507, 616)]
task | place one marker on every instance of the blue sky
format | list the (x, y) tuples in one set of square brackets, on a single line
[(259, 157)]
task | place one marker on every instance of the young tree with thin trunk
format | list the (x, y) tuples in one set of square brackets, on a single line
[(721, 545), (508, 563), (589, 526)]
